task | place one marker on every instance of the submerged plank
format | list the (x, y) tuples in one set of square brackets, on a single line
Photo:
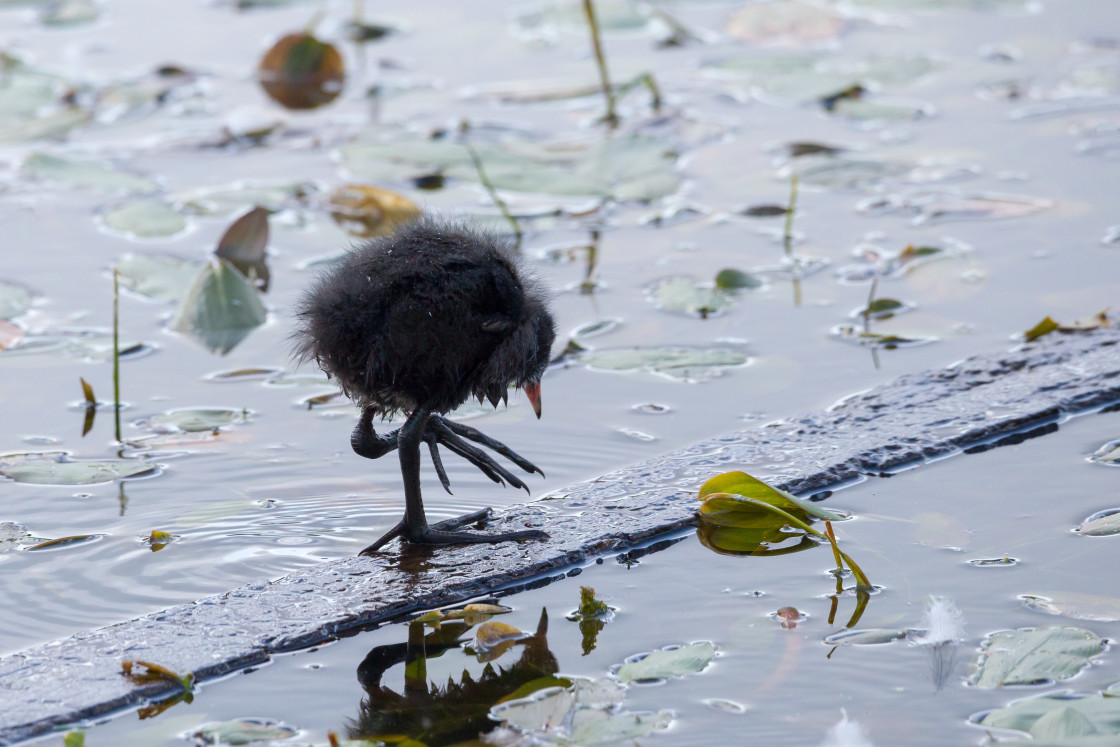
[(975, 403)]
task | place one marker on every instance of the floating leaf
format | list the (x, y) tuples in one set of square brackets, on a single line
[(866, 637), (1075, 604), (158, 540), (366, 212), (848, 333), (592, 726), (595, 328), (1045, 327), (872, 110), (74, 739), (667, 663), (220, 309), (70, 12), (54, 124), (1102, 710), (194, 420), (883, 308), (244, 244), (684, 364), (145, 219), (1101, 524), (732, 279), (301, 72), (543, 23), (491, 634), (740, 483), (72, 172), (785, 22), (1033, 655), (239, 196), (61, 542), (688, 297), (15, 300), (633, 167), (157, 276), (54, 469), (243, 731)]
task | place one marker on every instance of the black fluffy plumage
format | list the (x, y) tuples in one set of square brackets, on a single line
[(430, 316)]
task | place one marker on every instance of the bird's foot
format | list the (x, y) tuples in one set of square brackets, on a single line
[(455, 436), (441, 533)]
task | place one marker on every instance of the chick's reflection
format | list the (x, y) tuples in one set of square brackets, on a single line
[(445, 714)]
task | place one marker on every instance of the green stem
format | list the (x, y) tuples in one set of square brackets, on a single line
[(117, 352), (787, 234), (611, 118), (517, 233), (870, 300)]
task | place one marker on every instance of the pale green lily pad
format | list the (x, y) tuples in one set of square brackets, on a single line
[(689, 364), (67, 13), (1074, 604), (54, 468), (592, 726), (1102, 710), (220, 309), (688, 297), (232, 198), (243, 731), (1108, 453), (785, 22), (866, 636), (667, 663), (1033, 655), (634, 167), (53, 125), (195, 420), (15, 300), (874, 110), (806, 87), (545, 21), (1101, 524), (89, 344), (156, 276), (145, 219), (72, 172), (848, 173)]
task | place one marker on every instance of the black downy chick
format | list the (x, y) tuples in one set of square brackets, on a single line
[(418, 322)]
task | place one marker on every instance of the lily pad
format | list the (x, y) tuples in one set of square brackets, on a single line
[(220, 309), (857, 336), (64, 542), (54, 124), (686, 296), (72, 172), (684, 364), (591, 726), (1101, 710), (145, 219), (874, 110), (15, 300), (194, 420), (785, 22), (546, 21), (301, 72), (232, 198), (54, 468), (243, 731), (66, 13), (1073, 604), (1101, 524), (740, 483), (1029, 656), (667, 663), (631, 167), (866, 636), (159, 277), (732, 279)]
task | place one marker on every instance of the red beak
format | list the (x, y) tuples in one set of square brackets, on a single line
[(533, 392)]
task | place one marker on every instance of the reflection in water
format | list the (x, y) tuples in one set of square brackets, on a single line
[(451, 713)]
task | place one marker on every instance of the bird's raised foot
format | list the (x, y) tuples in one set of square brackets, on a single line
[(454, 436), (441, 533)]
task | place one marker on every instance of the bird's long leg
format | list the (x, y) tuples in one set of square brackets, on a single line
[(365, 441), (414, 528)]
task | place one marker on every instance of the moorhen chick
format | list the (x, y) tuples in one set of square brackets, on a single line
[(418, 322)]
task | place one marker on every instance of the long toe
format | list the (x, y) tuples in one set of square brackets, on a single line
[(437, 537), (494, 445), (462, 521), (397, 531)]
